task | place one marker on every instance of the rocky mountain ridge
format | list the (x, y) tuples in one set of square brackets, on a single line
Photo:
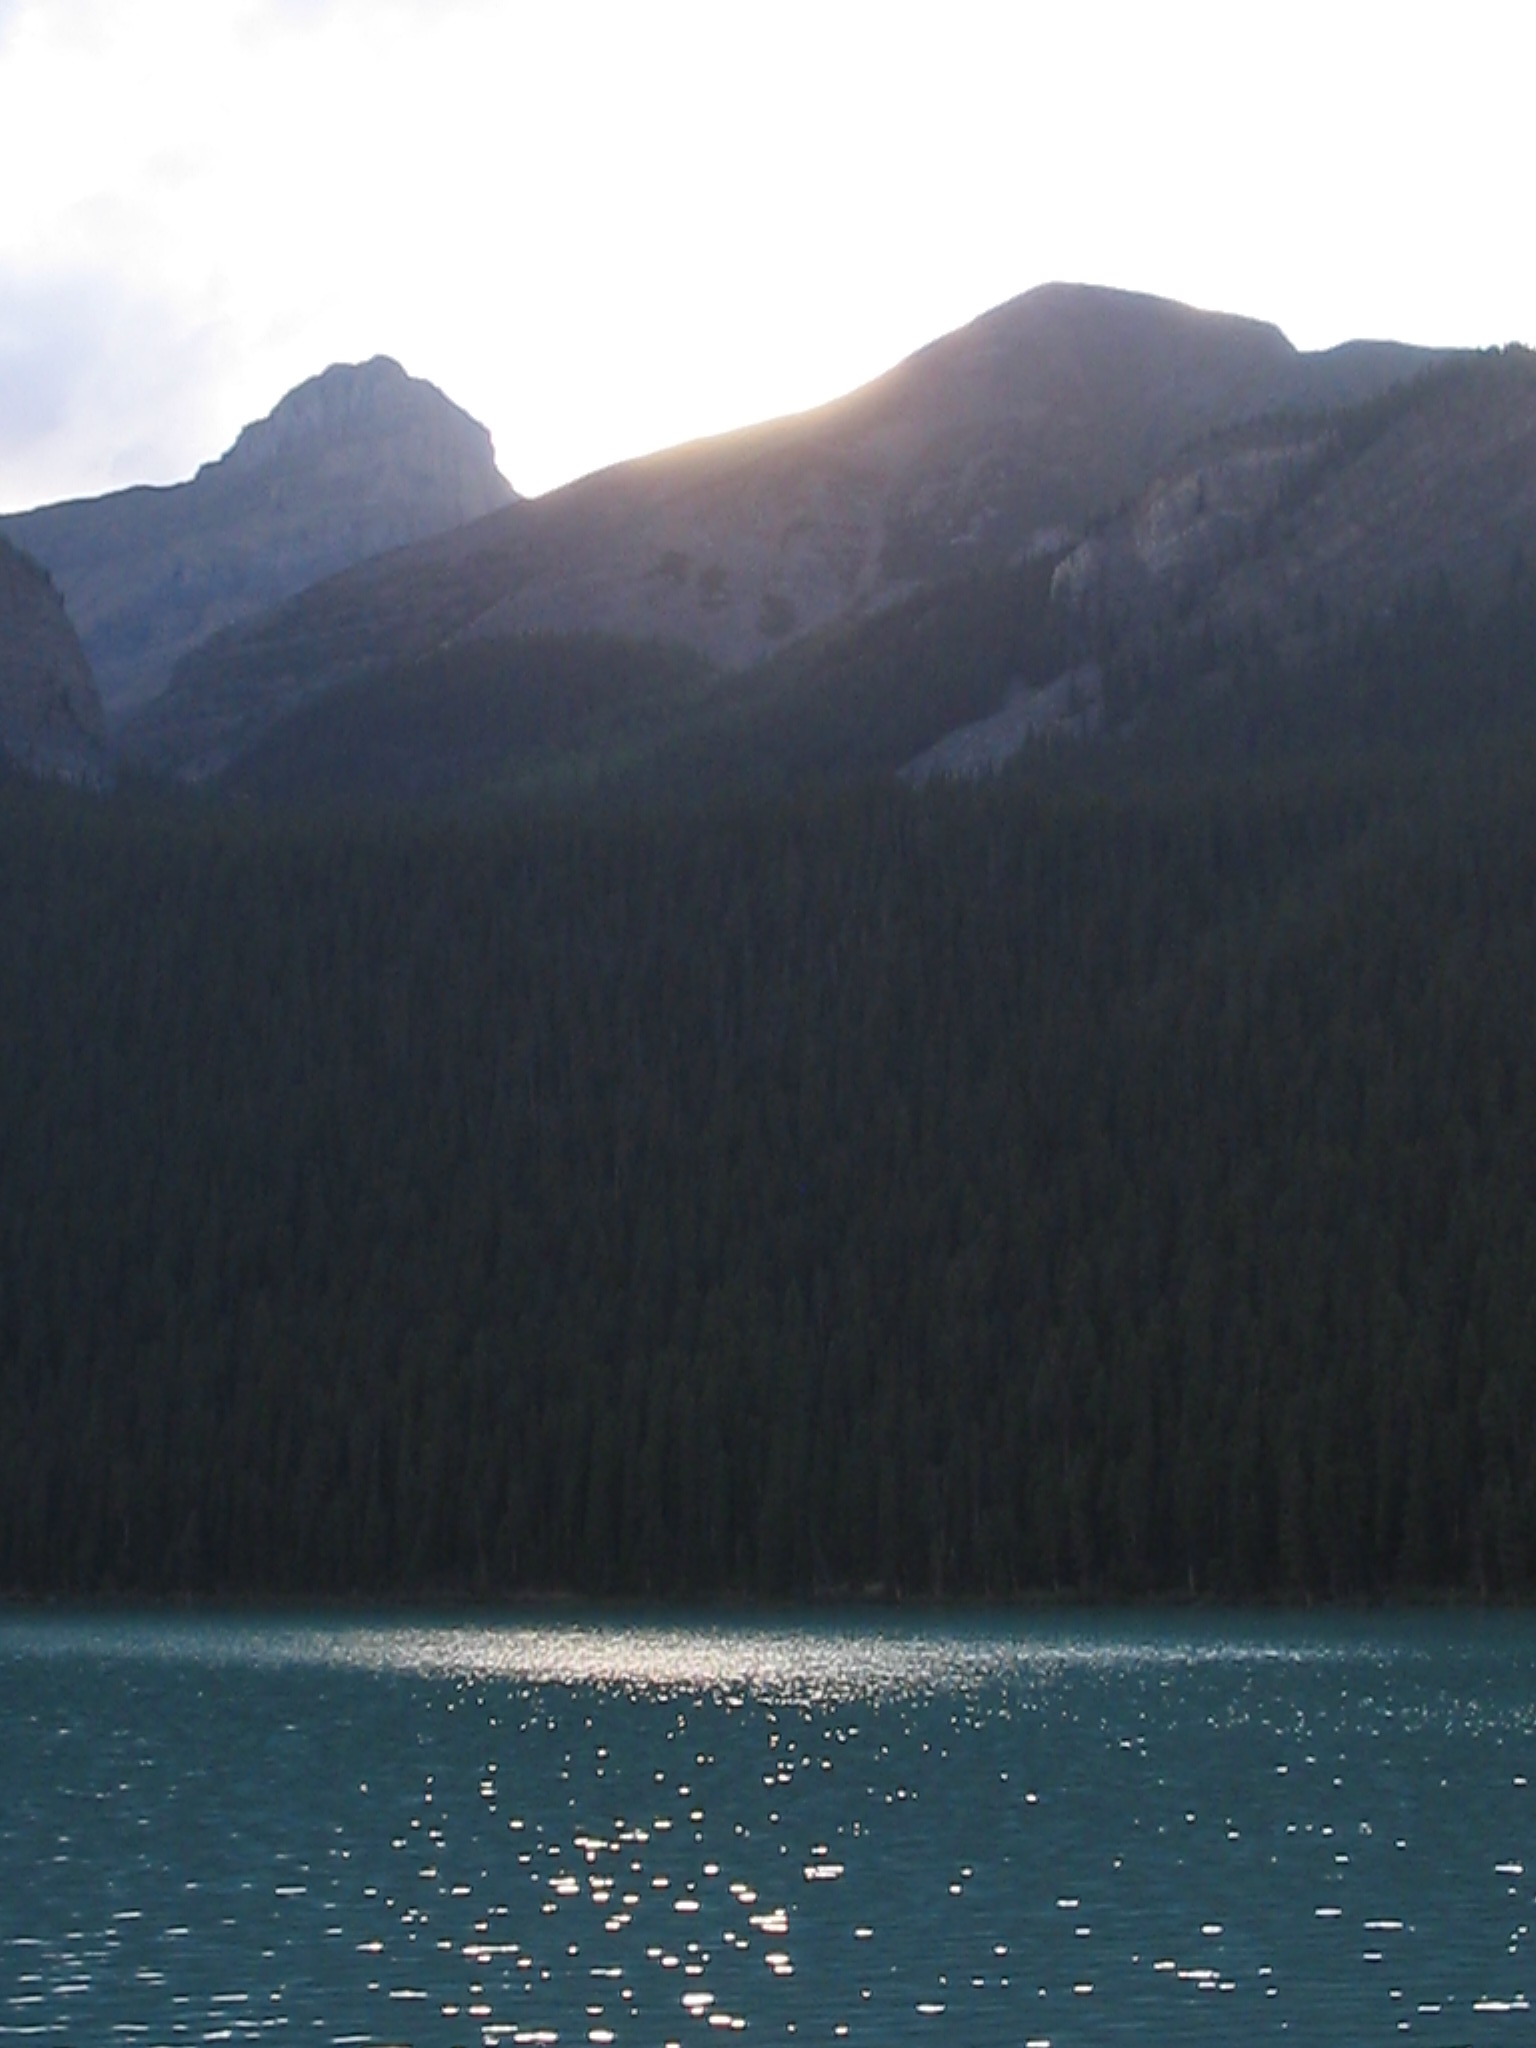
[(358, 460), (1296, 525), (994, 444), (1285, 578)]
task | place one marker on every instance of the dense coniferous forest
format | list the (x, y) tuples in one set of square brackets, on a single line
[(1119, 1177)]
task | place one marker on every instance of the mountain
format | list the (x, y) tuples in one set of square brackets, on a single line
[(358, 460), (50, 714), (1112, 1177), (1286, 577), (993, 445), (1295, 524)]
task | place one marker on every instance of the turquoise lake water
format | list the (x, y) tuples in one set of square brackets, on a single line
[(609, 1830)]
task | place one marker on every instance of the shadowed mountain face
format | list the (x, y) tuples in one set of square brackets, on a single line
[(992, 446), (1281, 583), (50, 714), (358, 460), (1296, 525)]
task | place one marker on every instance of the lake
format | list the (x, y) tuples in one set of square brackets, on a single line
[(625, 1829)]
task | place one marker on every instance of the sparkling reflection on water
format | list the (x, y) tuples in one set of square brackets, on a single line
[(607, 1831)]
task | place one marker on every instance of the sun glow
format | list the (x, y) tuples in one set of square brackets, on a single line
[(603, 228)]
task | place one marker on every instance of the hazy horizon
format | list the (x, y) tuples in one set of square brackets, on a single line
[(604, 234)]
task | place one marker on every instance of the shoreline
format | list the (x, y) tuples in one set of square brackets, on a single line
[(362, 1605)]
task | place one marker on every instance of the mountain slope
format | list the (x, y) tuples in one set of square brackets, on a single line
[(359, 459), (50, 714), (1278, 587), (995, 444), (995, 1190), (1300, 523)]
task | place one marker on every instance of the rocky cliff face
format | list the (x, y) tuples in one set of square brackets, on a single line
[(50, 714), (358, 460)]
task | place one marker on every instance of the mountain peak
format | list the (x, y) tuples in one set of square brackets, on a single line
[(370, 403), (352, 463)]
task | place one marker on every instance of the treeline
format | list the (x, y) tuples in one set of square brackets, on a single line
[(582, 722), (560, 721), (973, 1192)]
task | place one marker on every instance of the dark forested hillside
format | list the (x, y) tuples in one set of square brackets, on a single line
[(577, 722), (1128, 1188), (546, 722), (556, 721)]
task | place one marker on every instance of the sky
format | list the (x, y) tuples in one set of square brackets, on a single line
[(604, 228)]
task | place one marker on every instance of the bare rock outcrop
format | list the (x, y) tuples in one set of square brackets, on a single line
[(1070, 708)]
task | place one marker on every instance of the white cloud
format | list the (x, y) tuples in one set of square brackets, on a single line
[(602, 227), (99, 388)]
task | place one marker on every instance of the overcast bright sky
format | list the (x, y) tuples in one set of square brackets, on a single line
[(606, 227)]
